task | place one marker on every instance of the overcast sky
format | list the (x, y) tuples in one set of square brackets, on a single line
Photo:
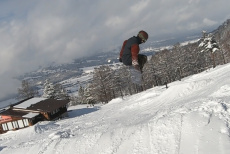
[(37, 32)]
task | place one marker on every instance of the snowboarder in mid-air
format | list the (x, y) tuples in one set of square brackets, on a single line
[(130, 56)]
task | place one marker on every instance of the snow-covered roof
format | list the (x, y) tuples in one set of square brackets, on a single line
[(30, 115), (29, 102)]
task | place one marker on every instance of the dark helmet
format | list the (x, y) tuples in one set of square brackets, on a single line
[(143, 35)]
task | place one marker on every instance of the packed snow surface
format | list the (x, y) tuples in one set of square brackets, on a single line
[(190, 117)]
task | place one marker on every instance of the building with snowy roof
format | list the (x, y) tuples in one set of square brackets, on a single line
[(30, 111)]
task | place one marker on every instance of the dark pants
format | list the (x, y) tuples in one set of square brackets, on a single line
[(142, 59)]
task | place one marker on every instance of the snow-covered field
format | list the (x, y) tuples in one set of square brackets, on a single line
[(192, 116)]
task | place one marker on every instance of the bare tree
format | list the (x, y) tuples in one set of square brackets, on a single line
[(26, 90), (101, 84)]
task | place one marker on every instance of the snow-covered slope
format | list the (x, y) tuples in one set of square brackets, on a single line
[(191, 116)]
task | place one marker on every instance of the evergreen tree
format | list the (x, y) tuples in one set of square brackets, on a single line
[(74, 100), (209, 44), (49, 91), (88, 97), (60, 92)]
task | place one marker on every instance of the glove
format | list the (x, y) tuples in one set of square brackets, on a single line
[(120, 60)]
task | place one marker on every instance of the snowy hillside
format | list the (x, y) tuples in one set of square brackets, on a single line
[(191, 116)]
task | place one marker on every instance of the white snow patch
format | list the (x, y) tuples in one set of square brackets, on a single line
[(29, 102), (30, 115)]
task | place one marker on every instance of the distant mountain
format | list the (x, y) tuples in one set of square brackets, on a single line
[(224, 28)]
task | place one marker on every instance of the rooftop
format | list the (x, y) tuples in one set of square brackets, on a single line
[(30, 108), (48, 105), (29, 102), (14, 113)]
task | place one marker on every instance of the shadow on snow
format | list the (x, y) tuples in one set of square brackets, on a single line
[(79, 112), (2, 147)]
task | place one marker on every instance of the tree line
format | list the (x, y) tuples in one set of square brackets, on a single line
[(162, 68), (55, 91)]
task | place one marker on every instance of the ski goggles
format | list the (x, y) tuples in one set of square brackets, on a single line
[(143, 40)]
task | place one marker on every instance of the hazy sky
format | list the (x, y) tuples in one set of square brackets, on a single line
[(37, 32)]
